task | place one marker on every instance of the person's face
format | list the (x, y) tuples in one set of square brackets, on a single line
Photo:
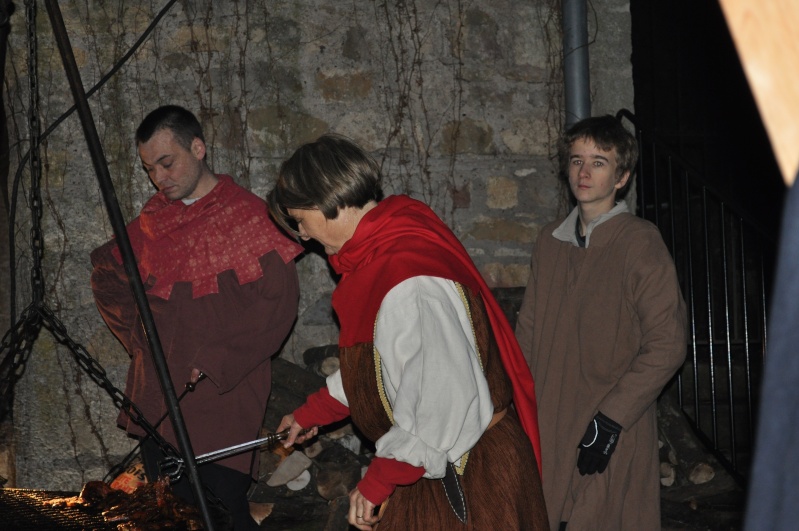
[(177, 172), (331, 233), (592, 175)]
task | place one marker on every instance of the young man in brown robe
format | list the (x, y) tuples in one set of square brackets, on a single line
[(222, 286), (603, 327)]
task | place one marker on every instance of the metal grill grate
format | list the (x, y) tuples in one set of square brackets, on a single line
[(23, 509)]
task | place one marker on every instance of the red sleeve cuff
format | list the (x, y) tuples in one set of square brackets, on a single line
[(320, 409), (383, 476)]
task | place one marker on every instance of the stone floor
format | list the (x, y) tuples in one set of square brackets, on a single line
[(712, 508), (717, 506)]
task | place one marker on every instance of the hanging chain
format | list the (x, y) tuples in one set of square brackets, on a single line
[(15, 349), (36, 241), (96, 372), (19, 339), (18, 342)]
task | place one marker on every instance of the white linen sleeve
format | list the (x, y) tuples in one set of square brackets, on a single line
[(431, 374), (336, 388)]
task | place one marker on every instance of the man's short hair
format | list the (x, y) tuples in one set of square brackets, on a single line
[(330, 173), (184, 125), (607, 133)]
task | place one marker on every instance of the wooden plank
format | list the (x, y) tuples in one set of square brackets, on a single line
[(766, 37)]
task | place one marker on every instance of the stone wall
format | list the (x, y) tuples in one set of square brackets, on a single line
[(460, 102)]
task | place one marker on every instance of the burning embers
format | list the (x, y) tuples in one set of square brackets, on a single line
[(151, 506)]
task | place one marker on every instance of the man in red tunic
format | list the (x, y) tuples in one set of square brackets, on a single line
[(222, 286)]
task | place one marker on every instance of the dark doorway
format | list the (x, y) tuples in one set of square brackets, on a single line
[(691, 92)]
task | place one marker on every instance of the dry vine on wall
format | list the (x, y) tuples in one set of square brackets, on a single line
[(264, 77)]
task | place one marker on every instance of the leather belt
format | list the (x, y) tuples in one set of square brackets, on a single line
[(499, 415)]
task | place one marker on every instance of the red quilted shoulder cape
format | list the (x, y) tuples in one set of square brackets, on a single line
[(228, 228)]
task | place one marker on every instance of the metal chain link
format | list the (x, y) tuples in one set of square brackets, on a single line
[(36, 241), (18, 342), (96, 372), (20, 337)]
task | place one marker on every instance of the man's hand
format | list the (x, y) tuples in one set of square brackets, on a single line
[(597, 445), (294, 431), (195, 376)]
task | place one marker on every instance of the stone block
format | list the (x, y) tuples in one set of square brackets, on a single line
[(502, 192), (500, 230), (468, 136), (344, 86)]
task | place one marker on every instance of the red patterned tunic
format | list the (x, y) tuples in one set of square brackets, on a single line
[(223, 290)]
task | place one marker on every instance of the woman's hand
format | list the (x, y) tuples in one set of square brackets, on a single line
[(294, 431), (361, 513)]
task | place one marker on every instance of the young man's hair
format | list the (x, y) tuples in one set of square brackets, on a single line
[(330, 173), (607, 133), (184, 125)]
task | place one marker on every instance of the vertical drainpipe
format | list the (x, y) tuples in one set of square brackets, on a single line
[(576, 79)]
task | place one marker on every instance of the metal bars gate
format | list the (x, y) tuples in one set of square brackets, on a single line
[(724, 263)]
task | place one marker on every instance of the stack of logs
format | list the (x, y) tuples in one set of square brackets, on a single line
[(307, 486), (682, 456)]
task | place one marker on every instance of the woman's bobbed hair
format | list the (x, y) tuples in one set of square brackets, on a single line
[(331, 173)]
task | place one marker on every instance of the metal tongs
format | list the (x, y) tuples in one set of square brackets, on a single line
[(172, 466)]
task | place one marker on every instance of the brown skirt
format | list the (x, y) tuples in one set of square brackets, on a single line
[(501, 485)]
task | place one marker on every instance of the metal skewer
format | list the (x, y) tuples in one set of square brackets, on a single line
[(120, 467), (172, 466)]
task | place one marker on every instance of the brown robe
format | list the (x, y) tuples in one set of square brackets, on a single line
[(501, 484), (603, 329)]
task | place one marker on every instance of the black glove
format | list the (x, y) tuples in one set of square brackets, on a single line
[(597, 445)]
